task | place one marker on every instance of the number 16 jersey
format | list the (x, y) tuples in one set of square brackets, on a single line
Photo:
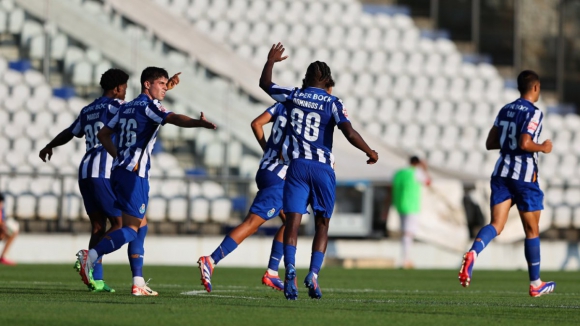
[(136, 125), (514, 120)]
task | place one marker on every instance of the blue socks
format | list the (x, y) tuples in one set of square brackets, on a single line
[(276, 255), (115, 240), (98, 269), (483, 238), (136, 250), (227, 246), (316, 261), (532, 251), (289, 255)]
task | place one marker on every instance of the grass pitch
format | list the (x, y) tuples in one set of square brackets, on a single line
[(55, 295)]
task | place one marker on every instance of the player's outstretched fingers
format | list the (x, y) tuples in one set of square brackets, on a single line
[(208, 125), (173, 81)]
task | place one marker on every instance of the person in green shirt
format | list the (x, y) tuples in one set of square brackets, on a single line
[(406, 197)]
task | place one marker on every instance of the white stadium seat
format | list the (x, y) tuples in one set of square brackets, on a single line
[(200, 210)]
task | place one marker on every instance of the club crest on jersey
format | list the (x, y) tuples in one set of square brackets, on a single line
[(271, 212), (142, 209), (345, 113)]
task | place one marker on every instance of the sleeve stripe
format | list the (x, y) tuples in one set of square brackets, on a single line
[(113, 122), (153, 116), (335, 113), (76, 130)]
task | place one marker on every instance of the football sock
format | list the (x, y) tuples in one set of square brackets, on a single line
[(532, 251), (98, 269), (136, 251), (289, 255), (139, 281), (483, 238), (227, 246), (272, 272), (316, 261), (276, 255), (406, 243), (114, 241)]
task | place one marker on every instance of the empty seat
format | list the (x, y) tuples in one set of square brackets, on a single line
[(73, 207), (177, 209), (156, 210), (562, 217), (200, 210), (48, 207), (25, 207), (221, 210)]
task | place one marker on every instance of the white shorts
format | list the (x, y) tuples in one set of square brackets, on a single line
[(409, 223)]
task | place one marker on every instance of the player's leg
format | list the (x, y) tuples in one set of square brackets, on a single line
[(409, 224), (271, 277), (136, 253), (98, 227), (9, 239)]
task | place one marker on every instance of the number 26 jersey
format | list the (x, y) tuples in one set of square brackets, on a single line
[(513, 120), (136, 126)]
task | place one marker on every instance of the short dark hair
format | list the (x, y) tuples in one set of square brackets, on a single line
[(414, 160), (526, 80), (318, 71), (1, 197), (150, 74), (113, 78)]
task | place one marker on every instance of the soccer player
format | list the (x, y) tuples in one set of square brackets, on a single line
[(406, 195), (95, 167), (8, 231), (313, 113), (515, 133), (266, 205), (135, 126)]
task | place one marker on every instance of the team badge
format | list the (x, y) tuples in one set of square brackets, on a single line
[(142, 209), (271, 212)]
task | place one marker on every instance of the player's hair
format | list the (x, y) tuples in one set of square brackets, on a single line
[(113, 78), (526, 80), (318, 71), (150, 74), (1, 198), (414, 160)]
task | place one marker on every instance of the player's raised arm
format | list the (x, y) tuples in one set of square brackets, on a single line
[(493, 139), (62, 138), (258, 127), (173, 81), (357, 141), (275, 55), (184, 121), (105, 136)]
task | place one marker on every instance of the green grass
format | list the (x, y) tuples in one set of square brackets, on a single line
[(54, 295)]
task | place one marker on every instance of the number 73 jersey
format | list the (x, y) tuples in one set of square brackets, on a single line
[(136, 126), (514, 120), (313, 113)]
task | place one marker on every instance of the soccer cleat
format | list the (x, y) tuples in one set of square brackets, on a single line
[(143, 290), (86, 268), (101, 286), (466, 267), (290, 287), (272, 281), (544, 288), (311, 283), (6, 261), (206, 270)]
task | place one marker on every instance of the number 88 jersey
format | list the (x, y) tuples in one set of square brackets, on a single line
[(136, 126), (313, 113), (514, 120), (96, 163)]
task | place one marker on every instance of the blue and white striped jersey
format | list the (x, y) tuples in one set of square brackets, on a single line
[(136, 125), (271, 159), (515, 119), (313, 114), (97, 162)]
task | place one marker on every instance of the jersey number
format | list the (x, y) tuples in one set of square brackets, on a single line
[(278, 129), (91, 132), (508, 129), (128, 132), (311, 123)]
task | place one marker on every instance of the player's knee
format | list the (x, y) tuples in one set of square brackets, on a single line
[(98, 228), (498, 228)]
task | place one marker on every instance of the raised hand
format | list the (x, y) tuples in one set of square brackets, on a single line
[(373, 157), (173, 81), (44, 152), (205, 123), (276, 52)]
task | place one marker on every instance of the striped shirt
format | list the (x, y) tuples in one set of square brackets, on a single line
[(271, 159), (514, 120), (137, 124), (96, 162), (313, 114)]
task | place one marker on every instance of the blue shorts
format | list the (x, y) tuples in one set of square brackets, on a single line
[(527, 196), (98, 196), (268, 201), (310, 182), (132, 192)]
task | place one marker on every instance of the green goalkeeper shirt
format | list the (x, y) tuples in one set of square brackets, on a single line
[(407, 191)]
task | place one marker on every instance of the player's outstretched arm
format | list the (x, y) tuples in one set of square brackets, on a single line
[(493, 137), (275, 55), (258, 128), (528, 145), (184, 121), (357, 141), (105, 136), (62, 138)]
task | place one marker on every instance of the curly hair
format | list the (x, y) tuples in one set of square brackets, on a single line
[(318, 71), (113, 78)]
